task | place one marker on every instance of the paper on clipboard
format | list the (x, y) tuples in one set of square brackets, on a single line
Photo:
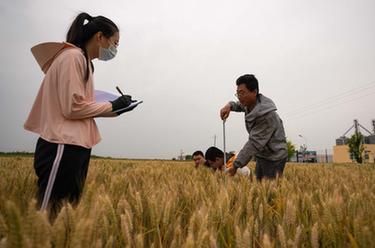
[(104, 96)]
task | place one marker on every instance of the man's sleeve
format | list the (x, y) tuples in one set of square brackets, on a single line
[(71, 91), (259, 136), (236, 107)]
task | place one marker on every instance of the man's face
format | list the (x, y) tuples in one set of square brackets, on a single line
[(217, 163), (198, 160), (246, 97)]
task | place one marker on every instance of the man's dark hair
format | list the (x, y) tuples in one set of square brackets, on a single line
[(212, 153), (197, 153), (250, 81)]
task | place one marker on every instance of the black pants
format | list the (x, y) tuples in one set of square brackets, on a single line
[(269, 169), (61, 171)]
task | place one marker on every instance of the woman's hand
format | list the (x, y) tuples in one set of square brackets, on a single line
[(120, 103)]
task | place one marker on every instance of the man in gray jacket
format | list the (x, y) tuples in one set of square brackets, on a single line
[(267, 141)]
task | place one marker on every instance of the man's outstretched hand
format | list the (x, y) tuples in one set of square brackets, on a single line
[(224, 112)]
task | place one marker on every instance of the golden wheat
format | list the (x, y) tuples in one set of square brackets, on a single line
[(134, 203)]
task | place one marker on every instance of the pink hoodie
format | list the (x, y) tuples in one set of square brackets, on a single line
[(64, 109)]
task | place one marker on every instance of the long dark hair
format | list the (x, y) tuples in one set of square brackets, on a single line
[(80, 33)]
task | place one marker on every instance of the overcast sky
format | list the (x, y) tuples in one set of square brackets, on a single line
[(315, 59)]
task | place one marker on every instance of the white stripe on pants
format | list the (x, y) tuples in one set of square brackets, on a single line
[(52, 176)]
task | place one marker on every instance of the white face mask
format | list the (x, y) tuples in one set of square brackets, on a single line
[(107, 53)]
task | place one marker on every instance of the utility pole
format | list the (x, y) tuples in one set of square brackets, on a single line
[(356, 126), (297, 156), (215, 140), (181, 155), (326, 156)]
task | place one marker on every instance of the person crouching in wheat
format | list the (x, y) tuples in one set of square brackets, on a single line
[(215, 159)]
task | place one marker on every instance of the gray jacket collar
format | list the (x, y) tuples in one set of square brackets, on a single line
[(263, 106)]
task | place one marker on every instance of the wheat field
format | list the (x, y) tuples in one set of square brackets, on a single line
[(129, 203)]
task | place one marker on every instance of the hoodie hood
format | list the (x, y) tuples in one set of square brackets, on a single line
[(263, 106), (45, 53)]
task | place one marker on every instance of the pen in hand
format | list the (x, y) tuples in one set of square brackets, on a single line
[(118, 89), (125, 96), (123, 100)]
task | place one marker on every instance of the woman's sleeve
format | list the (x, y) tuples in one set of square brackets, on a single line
[(71, 90)]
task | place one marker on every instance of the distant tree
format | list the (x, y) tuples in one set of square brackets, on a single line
[(291, 149), (188, 157), (18, 154), (356, 147)]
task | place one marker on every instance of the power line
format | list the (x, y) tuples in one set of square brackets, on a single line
[(341, 95), (333, 99), (323, 108)]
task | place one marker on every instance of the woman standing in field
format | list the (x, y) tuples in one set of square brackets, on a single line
[(64, 109)]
